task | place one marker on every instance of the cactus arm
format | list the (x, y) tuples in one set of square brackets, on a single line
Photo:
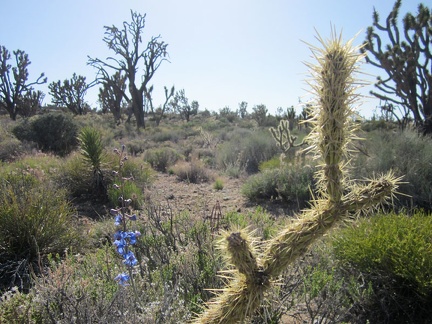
[(253, 271)]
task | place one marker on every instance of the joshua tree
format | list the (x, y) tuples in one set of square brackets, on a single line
[(14, 92), (260, 114), (407, 63), (254, 265), (111, 94), (126, 44), (181, 104), (242, 109), (30, 102), (70, 94), (159, 113)]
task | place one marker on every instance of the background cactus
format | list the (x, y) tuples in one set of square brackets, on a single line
[(283, 137), (252, 265)]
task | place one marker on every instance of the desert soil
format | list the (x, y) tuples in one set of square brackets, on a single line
[(202, 198)]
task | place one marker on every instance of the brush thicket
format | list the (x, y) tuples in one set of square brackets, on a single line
[(253, 267)]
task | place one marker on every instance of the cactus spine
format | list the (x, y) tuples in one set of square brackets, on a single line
[(253, 266)]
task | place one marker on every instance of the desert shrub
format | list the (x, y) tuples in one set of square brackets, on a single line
[(393, 254), (273, 163), (52, 132), (44, 167), (129, 191), (259, 220), (75, 176), (207, 156), (161, 158), (10, 148), (78, 179), (218, 184), (181, 245), (245, 150), (290, 184), (192, 172), (141, 172), (35, 221), (163, 135), (323, 292), (136, 146), (176, 263), (409, 155), (18, 307)]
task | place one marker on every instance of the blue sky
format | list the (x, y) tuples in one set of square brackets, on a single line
[(221, 52)]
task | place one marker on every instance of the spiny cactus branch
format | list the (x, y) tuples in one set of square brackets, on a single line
[(337, 198)]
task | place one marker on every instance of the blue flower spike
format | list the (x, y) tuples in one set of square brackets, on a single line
[(122, 279)]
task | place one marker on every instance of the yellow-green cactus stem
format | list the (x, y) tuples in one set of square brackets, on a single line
[(254, 267)]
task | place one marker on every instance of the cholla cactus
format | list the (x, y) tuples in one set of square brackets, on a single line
[(282, 136), (254, 266)]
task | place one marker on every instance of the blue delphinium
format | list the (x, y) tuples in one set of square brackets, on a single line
[(122, 279), (124, 239)]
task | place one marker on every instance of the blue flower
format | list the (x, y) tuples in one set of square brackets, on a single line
[(120, 235), (129, 259), (118, 220), (122, 279), (121, 245), (132, 237)]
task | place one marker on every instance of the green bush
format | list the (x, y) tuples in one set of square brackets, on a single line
[(142, 174), (218, 184), (75, 176), (161, 158), (54, 133), (35, 221), (261, 222), (273, 163), (129, 190), (394, 253), (290, 183)]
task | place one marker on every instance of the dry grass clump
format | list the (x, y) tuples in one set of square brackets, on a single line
[(192, 172)]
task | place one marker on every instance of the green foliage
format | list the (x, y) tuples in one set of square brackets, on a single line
[(17, 307), (92, 148), (35, 220), (75, 176), (273, 163), (54, 133), (393, 252), (259, 221), (290, 184), (141, 172), (10, 149), (218, 184), (161, 158), (130, 190)]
